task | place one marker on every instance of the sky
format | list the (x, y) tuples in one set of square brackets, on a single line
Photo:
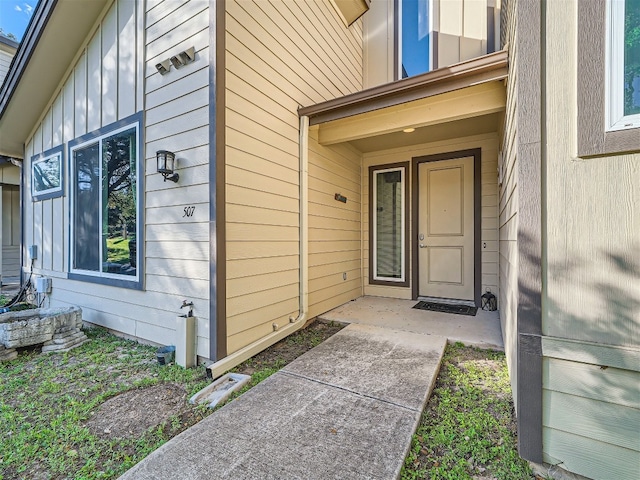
[(15, 16)]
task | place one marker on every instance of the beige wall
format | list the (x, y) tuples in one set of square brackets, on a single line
[(279, 56), (592, 272), (113, 77), (10, 225), (335, 265), (489, 200)]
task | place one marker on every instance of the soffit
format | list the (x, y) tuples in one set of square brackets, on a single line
[(467, 127), (39, 68), (459, 110)]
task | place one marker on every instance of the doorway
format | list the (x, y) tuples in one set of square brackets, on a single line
[(446, 220)]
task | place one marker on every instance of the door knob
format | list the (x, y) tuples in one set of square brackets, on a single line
[(422, 245)]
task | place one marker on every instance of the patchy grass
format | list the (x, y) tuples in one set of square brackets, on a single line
[(48, 403), (3, 300), (467, 429)]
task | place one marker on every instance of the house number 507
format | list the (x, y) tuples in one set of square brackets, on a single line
[(188, 211)]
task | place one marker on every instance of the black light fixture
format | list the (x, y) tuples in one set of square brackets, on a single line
[(166, 165)]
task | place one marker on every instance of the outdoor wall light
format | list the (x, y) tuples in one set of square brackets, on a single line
[(166, 165)]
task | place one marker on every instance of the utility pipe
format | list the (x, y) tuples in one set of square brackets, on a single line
[(221, 366)]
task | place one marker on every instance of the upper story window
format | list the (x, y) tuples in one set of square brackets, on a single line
[(414, 38), (623, 53), (433, 34), (106, 227)]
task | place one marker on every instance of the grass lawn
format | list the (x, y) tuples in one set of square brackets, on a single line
[(61, 415), (467, 430), (96, 411)]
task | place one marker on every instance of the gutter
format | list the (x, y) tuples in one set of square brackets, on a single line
[(221, 366), (488, 68), (31, 37)]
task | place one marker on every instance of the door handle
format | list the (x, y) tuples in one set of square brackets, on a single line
[(422, 245)]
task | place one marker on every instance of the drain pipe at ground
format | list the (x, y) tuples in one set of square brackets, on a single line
[(295, 323)]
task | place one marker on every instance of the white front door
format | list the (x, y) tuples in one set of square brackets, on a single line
[(446, 229)]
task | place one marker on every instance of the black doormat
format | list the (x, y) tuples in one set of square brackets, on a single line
[(446, 308)]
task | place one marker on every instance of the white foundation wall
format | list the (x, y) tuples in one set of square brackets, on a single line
[(489, 201), (114, 76)]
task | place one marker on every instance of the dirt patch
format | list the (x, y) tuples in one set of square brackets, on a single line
[(290, 348), (133, 412)]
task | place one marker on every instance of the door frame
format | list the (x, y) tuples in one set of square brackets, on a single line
[(476, 153)]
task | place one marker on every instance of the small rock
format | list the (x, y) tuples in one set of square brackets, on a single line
[(106, 430)]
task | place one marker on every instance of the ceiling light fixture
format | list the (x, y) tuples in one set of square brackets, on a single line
[(409, 130)]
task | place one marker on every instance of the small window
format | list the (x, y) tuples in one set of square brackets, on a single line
[(623, 59), (47, 174), (414, 38), (106, 230), (389, 226)]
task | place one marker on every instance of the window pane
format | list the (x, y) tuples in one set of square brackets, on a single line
[(119, 220), (632, 57), (389, 213), (86, 226), (46, 174), (415, 37)]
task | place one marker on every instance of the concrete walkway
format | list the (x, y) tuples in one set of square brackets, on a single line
[(344, 410)]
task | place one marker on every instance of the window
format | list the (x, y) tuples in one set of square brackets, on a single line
[(623, 53), (414, 38), (604, 41), (105, 203), (388, 220), (46, 174)]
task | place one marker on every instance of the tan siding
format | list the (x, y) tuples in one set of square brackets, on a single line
[(280, 55), (103, 86)]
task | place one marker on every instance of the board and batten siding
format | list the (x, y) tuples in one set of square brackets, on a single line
[(5, 62), (488, 143), (279, 56), (591, 320), (508, 212), (106, 83)]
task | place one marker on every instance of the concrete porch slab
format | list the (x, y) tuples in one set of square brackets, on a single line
[(482, 330)]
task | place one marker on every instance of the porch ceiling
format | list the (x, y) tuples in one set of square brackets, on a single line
[(432, 133), (468, 111)]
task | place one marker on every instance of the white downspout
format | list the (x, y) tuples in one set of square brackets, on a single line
[(295, 323)]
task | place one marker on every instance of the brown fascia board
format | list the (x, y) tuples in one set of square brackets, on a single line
[(491, 67), (31, 37)]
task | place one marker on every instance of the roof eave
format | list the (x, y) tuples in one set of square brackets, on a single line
[(491, 67)]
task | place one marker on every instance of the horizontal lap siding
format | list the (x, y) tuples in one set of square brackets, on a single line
[(488, 194), (508, 216), (334, 227), (592, 281), (104, 85), (279, 56)]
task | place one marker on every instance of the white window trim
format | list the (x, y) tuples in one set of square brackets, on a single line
[(139, 224), (614, 91), (403, 206)]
